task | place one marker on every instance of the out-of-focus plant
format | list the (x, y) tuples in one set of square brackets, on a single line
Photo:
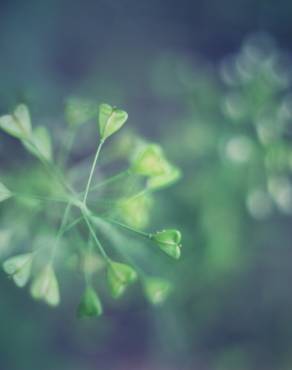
[(60, 224), (235, 125)]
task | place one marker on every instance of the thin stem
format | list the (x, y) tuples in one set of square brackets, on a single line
[(61, 229), (52, 169), (39, 197), (67, 148), (92, 170), (94, 237), (129, 228), (114, 178), (72, 224), (87, 274)]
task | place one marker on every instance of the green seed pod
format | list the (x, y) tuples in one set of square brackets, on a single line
[(171, 175), (78, 111), (111, 119), (19, 268), (135, 211), (156, 290), (119, 276), (169, 242), (90, 305), (18, 123), (45, 286), (150, 161), (4, 193), (40, 144)]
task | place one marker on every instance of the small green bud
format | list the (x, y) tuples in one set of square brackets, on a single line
[(171, 175), (150, 161), (79, 111), (169, 242), (4, 193), (40, 145), (156, 290), (18, 123), (111, 119), (45, 286), (19, 268), (90, 304), (119, 276)]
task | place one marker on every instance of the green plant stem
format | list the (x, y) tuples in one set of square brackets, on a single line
[(92, 170), (112, 179), (61, 229), (39, 197), (72, 224), (52, 170), (67, 148), (126, 227), (94, 237)]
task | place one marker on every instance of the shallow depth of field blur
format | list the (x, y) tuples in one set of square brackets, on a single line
[(212, 83)]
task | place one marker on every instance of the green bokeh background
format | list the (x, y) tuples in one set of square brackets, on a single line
[(210, 81)]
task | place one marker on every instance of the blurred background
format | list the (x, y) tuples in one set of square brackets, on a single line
[(210, 81)]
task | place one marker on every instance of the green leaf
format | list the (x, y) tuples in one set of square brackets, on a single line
[(156, 290), (111, 119), (169, 242), (79, 111), (119, 276), (40, 144), (19, 268), (18, 123), (90, 304), (4, 193), (171, 175), (150, 161), (45, 286)]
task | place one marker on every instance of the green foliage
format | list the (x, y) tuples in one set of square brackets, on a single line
[(47, 197)]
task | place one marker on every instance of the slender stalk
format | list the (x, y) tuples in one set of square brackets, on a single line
[(126, 227), (94, 237), (112, 179), (67, 148), (39, 197), (52, 170), (61, 229), (92, 170)]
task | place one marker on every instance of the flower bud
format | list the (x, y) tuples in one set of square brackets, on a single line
[(119, 276), (169, 242)]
